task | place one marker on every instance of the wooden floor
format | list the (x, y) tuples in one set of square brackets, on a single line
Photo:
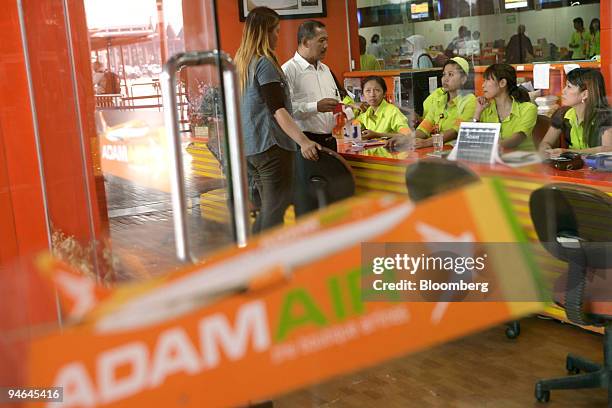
[(483, 370)]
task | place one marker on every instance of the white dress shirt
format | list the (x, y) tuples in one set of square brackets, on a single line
[(308, 85)]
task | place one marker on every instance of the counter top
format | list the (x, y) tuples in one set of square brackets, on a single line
[(382, 155)]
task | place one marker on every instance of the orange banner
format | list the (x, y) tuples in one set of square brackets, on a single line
[(281, 314)]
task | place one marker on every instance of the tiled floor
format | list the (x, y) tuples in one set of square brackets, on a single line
[(142, 227)]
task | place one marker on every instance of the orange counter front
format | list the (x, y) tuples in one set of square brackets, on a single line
[(377, 169)]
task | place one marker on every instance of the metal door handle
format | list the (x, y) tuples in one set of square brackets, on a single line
[(237, 166)]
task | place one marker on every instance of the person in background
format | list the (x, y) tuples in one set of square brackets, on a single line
[(519, 49), (594, 31), (580, 40), (507, 103), (381, 118), (367, 62), (584, 120), (448, 111), (270, 134), (376, 48), (420, 58), (98, 78), (458, 42), (313, 105)]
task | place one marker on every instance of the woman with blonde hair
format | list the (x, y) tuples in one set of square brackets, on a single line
[(270, 133)]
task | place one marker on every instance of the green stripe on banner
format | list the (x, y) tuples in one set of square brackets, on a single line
[(520, 235)]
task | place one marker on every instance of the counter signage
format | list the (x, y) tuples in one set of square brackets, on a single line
[(477, 143)]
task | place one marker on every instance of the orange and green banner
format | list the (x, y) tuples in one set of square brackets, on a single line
[(283, 313)]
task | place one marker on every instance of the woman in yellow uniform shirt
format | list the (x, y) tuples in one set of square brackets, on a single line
[(594, 48), (447, 112), (381, 118), (507, 103), (588, 113), (447, 108)]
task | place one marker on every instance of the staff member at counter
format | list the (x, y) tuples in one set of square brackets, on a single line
[(509, 104), (586, 112), (381, 118), (450, 109)]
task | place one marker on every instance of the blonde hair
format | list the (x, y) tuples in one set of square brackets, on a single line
[(255, 41)]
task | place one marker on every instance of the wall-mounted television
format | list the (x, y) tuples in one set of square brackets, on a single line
[(421, 10), (379, 15), (565, 3), (516, 4)]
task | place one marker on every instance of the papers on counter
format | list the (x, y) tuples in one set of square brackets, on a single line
[(541, 76), (520, 158)]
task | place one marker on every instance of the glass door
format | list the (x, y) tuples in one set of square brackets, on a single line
[(151, 140)]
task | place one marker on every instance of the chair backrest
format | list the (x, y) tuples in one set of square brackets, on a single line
[(429, 177), (540, 129), (322, 182), (574, 223)]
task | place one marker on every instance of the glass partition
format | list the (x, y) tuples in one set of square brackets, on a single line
[(484, 31)]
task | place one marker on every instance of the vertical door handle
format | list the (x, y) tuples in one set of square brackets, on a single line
[(237, 166)]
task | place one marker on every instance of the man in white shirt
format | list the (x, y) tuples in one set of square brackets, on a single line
[(314, 93)]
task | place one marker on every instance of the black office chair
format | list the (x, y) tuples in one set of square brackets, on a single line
[(429, 177), (322, 182), (574, 224)]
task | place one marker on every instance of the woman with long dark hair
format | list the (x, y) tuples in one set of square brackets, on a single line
[(585, 122), (270, 133), (507, 103)]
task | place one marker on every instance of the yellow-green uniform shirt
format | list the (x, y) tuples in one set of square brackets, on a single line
[(433, 99), (522, 118), (583, 41), (577, 140), (368, 63), (595, 49), (387, 119), (448, 116)]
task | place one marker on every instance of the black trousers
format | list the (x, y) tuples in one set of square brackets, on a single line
[(272, 173), (326, 140)]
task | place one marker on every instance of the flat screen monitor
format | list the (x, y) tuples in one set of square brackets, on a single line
[(515, 4), (420, 10), (379, 15)]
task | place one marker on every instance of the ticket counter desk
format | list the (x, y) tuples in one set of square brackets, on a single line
[(378, 169)]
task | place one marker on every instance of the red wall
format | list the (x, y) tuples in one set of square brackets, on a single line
[(336, 21)]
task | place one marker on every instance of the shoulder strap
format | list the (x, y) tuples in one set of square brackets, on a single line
[(341, 89)]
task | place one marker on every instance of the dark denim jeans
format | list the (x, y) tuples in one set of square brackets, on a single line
[(272, 173)]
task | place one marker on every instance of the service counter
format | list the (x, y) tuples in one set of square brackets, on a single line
[(378, 169)]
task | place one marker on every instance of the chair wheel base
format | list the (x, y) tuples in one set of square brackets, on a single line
[(512, 334), (571, 368), (513, 330), (540, 394)]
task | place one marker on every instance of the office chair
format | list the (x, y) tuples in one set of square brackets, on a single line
[(322, 182), (430, 177), (540, 129), (574, 224)]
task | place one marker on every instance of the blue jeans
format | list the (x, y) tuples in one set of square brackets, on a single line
[(272, 173)]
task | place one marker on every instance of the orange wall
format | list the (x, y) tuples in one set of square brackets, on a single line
[(336, 21)]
